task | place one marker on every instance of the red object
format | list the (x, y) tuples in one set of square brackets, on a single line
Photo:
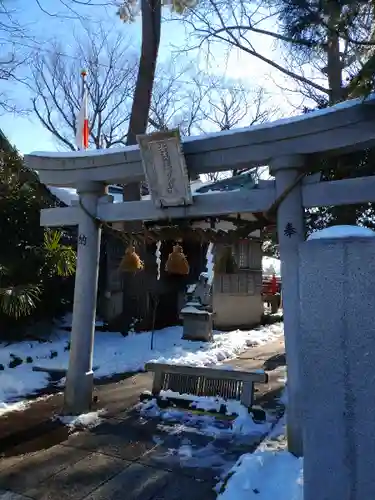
[(273, 285), (86, 133)]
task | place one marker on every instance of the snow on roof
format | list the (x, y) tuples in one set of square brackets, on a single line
[(234, 183), (342, 232), (194, 186), (282, 121), (67, 195), (261, 126), (85, 152)]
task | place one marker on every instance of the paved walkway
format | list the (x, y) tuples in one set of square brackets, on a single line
[(125, 457)]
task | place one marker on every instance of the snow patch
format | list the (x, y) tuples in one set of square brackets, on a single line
[(204, 457), (342, 232), (193, 310), (20, 405), (269, 473), (115, 354), (83, 421), (7, 408), (242, 425)]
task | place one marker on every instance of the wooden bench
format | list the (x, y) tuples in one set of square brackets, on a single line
[(227, 384)]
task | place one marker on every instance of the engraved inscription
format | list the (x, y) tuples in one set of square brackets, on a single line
[(165, 169), (82, 240), (164, 153), (289, 230)]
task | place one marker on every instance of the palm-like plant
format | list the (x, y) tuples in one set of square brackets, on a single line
[(61, 259), (17, 300), (31, 259), (21, 300)]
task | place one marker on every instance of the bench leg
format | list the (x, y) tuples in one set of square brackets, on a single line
[(157, 384), (247, 395)]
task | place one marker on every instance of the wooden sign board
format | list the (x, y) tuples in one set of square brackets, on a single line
[(165, 168)]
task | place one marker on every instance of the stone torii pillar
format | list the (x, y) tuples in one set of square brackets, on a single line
[(291, 231), (79, 380)]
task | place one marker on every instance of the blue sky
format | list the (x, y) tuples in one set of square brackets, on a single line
[(29, 135)]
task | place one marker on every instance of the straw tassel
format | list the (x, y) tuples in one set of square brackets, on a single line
[(131, 262), (177, 262)]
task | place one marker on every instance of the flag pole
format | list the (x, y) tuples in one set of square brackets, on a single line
[(84, 144)]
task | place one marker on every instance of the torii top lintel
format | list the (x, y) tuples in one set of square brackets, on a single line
[(344, 127)]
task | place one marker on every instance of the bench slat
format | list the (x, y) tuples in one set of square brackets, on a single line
[(212, 373)]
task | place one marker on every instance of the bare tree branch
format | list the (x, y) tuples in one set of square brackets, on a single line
[(239, 24), (13, 57), (110, 82)]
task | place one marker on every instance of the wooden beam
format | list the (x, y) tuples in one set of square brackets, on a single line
[(207, 205), (343, 192)]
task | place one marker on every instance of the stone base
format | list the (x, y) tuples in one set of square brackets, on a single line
[(197, 326), (78, 393)]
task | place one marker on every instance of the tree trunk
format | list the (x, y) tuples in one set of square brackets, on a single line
[(341, 214), (334, 63), (151, 27), (133, 303)]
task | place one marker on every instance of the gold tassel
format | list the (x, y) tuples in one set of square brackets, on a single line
[(226, 263), (131, 262), (177, 262)]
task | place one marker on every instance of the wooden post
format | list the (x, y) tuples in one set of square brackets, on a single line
[(291, 231), (79, 380)]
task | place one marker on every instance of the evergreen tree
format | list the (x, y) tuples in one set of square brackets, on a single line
[(34, 263), (336, 37)]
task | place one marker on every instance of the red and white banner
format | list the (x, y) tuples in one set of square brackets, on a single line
[(82, 135)]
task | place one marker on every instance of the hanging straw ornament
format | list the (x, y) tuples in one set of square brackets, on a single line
[(226, 263), (210, 262), (131, 262), (177, 262), (158, 259)]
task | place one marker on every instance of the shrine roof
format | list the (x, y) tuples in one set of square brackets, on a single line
[(198, 187)]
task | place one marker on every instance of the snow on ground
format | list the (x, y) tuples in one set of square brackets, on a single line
[(241, 425), (115, 354), (18, 405), (186, 433), (268, 473), (193, 439), (84, 421), (6, 408), (205, 457)]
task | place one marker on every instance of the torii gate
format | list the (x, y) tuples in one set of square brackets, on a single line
[(284, 145)]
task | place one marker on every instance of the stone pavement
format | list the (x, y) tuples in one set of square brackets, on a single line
[(126, 457)]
